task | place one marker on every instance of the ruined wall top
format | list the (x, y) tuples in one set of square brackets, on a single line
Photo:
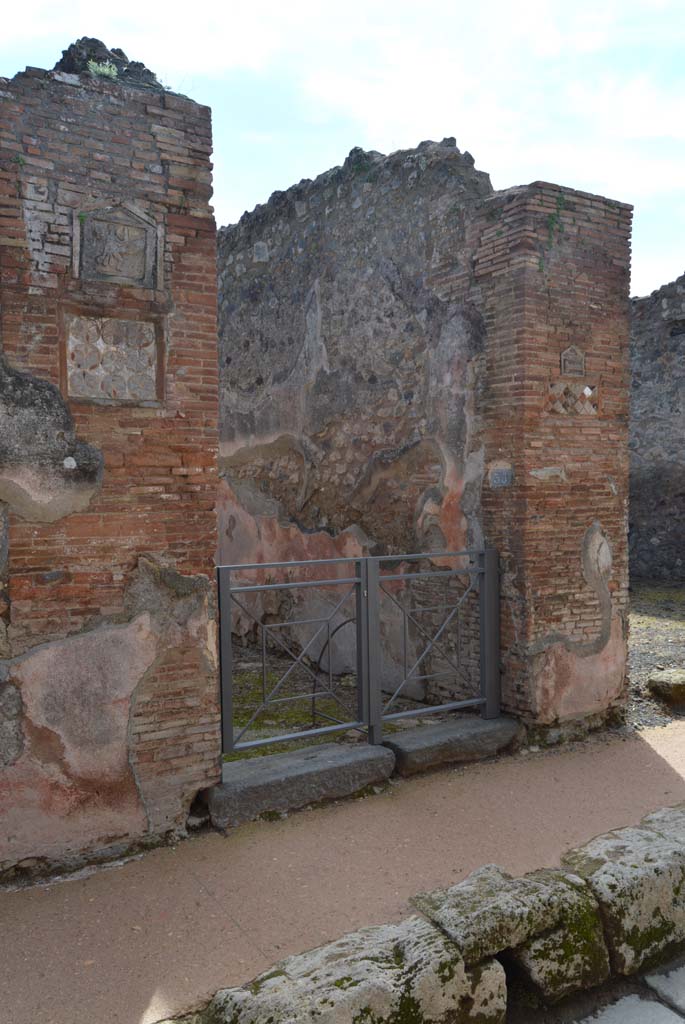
[(443, 163), (91, 56), (89, 61)]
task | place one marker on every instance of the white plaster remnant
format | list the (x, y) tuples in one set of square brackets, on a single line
[(550, 473)]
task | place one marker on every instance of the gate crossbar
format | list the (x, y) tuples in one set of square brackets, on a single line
[(366, 587)]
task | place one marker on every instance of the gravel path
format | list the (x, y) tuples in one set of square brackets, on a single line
[(657, 640)]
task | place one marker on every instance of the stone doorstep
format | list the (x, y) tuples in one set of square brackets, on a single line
[(285, 782), (457, 741)]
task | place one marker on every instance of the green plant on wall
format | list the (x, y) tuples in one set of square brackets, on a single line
[(555, 228), (103, 69), (554, 222)]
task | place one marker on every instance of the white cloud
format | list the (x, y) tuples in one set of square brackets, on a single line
[(590, 94)]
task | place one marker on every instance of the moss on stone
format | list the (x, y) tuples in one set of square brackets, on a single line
[(653, 945), (571, 957), (346, 982), (256, 986)]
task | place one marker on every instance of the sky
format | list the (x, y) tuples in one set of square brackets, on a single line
[(585, 94)]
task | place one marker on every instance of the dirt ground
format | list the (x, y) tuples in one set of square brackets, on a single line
[(158, 935), (657, 640)]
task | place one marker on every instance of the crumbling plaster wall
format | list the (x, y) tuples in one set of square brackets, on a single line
[(657, 434), (108, 446), (410, 361)]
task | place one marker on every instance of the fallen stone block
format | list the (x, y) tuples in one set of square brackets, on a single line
[(490, 911), (283, 782), (459, 740), (638, 878), (569, 958), (393, 974), (668, 685)]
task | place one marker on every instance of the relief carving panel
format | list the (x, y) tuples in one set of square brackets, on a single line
[(573, 362), (118, 247)]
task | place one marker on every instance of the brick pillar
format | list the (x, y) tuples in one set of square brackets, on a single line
[(108, 410), (552, 274)]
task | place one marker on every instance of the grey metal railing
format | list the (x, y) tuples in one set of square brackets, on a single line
[(361, 692)]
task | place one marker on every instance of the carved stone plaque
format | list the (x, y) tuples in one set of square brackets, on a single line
[(573, 362), (119, 247), (111, 360)]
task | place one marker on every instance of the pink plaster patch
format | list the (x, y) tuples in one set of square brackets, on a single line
[(73, 788), (247, 538), (570, 686), (80, 690)]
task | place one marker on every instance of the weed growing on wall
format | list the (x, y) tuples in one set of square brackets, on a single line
[(103, 69)]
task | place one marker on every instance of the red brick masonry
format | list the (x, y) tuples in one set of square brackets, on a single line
[(73, 147)]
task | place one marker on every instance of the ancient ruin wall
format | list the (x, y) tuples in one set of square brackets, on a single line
[(108, 442), (348, 379), (657, 434), (410, 361)]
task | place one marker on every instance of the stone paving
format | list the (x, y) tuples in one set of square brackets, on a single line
[(663, 1002)]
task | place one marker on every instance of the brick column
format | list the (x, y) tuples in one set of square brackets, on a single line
[(108, 406), (552, 275)]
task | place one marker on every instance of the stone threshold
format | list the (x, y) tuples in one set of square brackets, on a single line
[(596, 933), (279, 783)]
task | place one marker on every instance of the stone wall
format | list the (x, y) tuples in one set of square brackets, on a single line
[(348, 380), (108, 444), (657, 433), (409, 361)]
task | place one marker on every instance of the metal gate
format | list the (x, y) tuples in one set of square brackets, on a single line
[(355, 643)]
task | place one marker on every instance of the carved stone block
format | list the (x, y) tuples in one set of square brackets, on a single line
[(573, 362), (118, 247), (566, 399), (111, 360)]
